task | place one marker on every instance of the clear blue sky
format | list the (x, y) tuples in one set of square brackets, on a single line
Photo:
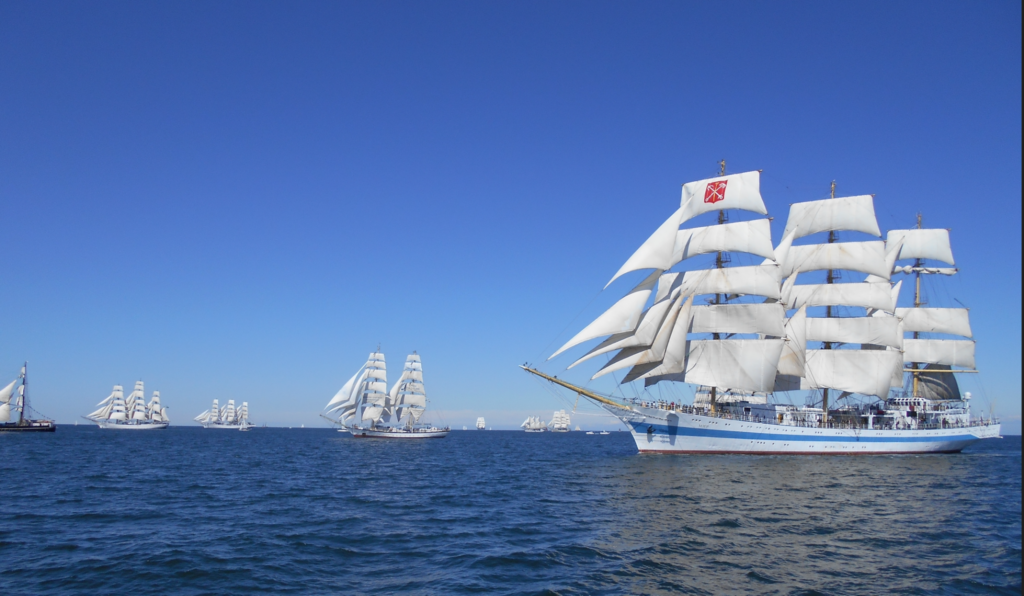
[(242, 199)]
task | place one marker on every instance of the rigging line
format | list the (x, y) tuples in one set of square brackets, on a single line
[(554, 339)]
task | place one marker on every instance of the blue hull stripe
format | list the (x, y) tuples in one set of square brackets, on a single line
[(685, 431)]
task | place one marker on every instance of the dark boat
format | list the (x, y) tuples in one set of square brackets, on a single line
[(23, 424)]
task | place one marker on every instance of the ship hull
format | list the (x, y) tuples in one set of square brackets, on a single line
[(676, 432), (123, 426), (30, 426), (226, 426), (365, 433)]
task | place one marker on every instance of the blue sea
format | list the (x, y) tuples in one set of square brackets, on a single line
[(312, 511)]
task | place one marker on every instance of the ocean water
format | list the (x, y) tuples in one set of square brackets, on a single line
[(312, 511)]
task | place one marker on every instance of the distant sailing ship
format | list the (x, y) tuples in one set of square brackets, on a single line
[(132, 413), (365, 410), (559, 422), (753, 339), (534, 424), (480, 423), (23, 423), (228, 417)]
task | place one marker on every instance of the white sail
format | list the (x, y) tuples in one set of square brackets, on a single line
[(923, 244), (855, 214), (655, 252), (876, 295), (214, 412), (346, 394), (373, 412), (753, 237), (647, 355), (794, 352), (763, 318), (951, 352), (646, 330), (954, 321), (6, 392), (735, 191), (738, 364), (867, 372), (5, 412), (761, 280), (408, 396), (883, 331), (202, 417), (866, 257), (623, 316)]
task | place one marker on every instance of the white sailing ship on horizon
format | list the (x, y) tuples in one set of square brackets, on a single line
[(227, 418), (533, 424), (751, 342), (366, 409), (559, 422), (481, 424), (131, 413)]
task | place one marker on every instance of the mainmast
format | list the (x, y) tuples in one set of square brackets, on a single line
[(917, 304), (720, 260), (830, 277), (24, 394)]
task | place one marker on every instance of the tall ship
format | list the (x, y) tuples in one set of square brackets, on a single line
[(18, 401), (831, 365), (481, 424), (559, 422), (533, 424), (366, 409), (131, 413), (227, 418)]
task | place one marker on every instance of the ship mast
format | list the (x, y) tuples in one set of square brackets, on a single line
[(720, 261), (830, 277), (917, 304), (24, 394)]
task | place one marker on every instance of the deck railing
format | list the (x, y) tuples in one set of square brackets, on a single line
[(878, 424)]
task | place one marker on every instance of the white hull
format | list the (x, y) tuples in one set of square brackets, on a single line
[(366, 433), (678, 432), (227, 426), (131, 426)]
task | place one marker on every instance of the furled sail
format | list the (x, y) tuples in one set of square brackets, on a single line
[(855, 214)]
